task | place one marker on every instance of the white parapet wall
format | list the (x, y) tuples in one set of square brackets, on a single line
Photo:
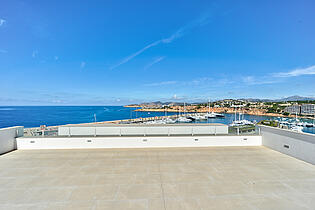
[(136, 142), (298, 145), (143, 129), (8, 138)]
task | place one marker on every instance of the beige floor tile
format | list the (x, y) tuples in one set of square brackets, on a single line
[(181, 204), (115, 179), (225, 203), (139, 191), (48, 195), (187, 190), (185, 177), (122, 205), (102, 192)]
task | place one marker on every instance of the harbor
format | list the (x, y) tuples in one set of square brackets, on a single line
[(53, 117)]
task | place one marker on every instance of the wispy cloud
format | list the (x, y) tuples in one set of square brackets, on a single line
[(56, 58), (203, 20), (161, 83), (251, 80), (34, 53), (200, 82), (297, 72), (82, 64), (3, 51), (2, 22), (155, 61)]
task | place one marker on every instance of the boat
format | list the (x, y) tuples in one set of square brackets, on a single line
[(169, 121), (183, 120), (198, 117), (241, 122), (298, 129), (219, 115), (210, 115)]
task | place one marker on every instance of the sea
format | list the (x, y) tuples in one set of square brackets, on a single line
[(35, 116)]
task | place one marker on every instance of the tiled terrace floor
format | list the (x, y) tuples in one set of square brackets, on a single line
[(190, 178)]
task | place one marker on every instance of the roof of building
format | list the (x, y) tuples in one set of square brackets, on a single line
[(178, 178)]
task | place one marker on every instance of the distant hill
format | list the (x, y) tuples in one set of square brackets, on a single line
[(290, 98), (297, 98)]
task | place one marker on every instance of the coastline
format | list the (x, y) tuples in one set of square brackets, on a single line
[(255, 112)]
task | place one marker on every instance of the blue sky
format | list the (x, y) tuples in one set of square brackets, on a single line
[(121, 52)]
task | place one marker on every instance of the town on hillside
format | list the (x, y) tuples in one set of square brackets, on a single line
[(298, 108)]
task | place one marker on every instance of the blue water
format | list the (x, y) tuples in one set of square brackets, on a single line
[(34, 116)]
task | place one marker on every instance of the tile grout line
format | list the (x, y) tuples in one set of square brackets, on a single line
[(161, 180)]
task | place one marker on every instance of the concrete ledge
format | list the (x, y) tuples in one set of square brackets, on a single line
[(298, 145), (136, 142), (7, 138), (143, 129)]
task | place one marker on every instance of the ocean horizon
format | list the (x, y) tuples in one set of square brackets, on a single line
[(35, 116)]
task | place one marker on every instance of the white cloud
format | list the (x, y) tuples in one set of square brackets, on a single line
[(82, 64), (297, 72), (2, 22), (155, 61), (161, 83), (179, 33)]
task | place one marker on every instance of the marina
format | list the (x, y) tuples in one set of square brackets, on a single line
[(52, 117)]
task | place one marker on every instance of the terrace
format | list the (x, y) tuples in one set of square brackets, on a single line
[(178, 178), (203, 171)]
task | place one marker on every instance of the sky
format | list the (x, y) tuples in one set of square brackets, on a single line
[(118, 52)]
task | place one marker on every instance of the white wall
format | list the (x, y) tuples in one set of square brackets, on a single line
[(141, 130), (298, 145), (136, 142), (7, 138)]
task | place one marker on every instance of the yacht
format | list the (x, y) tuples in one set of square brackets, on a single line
[(219, 115), (298, 129), (211, 115), (169, 121), (241, 122), (183, 120)]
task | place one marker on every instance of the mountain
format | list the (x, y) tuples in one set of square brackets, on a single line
[(297, 98), (290, 98)]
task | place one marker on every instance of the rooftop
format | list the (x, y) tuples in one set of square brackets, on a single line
[(178, 178)]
